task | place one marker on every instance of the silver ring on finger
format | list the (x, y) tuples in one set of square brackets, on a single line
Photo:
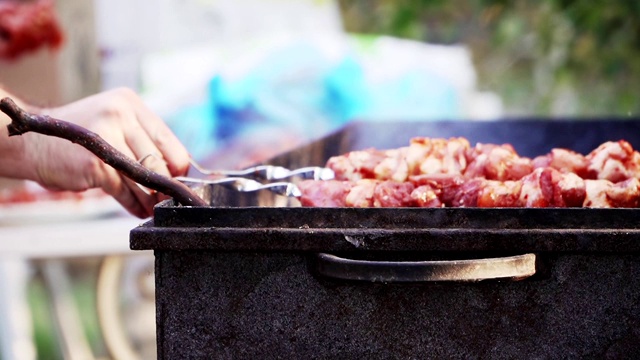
[(151, 154)]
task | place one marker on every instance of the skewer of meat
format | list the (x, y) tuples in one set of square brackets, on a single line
[(544, 187), (613, 161), (428, 156), (422, 156), (451, 173)]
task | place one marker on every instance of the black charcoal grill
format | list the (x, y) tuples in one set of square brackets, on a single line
[(256, 277)]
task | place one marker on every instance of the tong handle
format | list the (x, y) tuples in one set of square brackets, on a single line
[(270, 172), (313, 173), (247, 185)]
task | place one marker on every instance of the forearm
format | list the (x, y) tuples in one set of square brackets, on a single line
[(15, 161)]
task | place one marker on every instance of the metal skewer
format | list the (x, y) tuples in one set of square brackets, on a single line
[(271, 172), (247, 185)]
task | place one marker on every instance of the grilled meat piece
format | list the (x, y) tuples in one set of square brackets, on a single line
[(451, 173), (497, 162)]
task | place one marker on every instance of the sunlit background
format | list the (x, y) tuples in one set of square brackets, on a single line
[(544, 58)]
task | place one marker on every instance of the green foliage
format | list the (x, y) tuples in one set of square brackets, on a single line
[(43, 326), (552, 57)]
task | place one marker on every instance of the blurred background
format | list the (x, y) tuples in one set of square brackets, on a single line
[(546, 58), (242, 80)]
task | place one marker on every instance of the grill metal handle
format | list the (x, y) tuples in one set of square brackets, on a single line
[(512, 267)]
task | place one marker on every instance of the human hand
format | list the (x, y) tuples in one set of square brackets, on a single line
[(121, 119)]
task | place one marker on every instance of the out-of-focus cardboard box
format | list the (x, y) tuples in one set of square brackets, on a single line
[(33, 77), (48, 78)]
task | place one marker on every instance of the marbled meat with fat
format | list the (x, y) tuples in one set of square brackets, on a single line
[(452, 173)]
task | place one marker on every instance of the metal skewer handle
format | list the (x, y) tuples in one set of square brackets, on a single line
[(246, 185), (270, 172)]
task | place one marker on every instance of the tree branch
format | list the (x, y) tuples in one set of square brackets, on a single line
[(23, 122)]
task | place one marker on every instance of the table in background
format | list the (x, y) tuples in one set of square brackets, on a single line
[(21, 245)]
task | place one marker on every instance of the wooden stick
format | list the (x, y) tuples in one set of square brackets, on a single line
[(23, 122)]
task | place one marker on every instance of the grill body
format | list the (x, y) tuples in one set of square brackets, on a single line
[(259, 305), (243, 279)]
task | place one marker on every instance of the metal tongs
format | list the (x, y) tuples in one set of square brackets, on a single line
[(245, 180), (247, 185), (270, 172)]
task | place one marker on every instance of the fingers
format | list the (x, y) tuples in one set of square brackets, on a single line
[(144, 201), (122, 119), (146, 138), (145, 151), (124, 190), (163, 139), (144, 131), (128, 193)]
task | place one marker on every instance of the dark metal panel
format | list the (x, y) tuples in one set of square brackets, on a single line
[(395, 218), (268, 306), (387, 240)]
